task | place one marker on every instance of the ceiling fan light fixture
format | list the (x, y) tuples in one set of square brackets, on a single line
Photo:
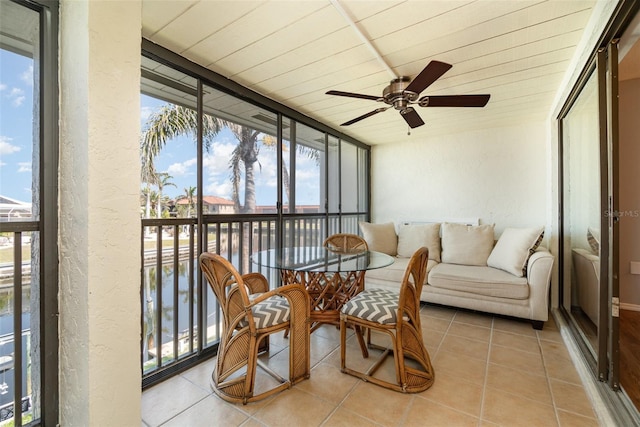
[(403, 91)]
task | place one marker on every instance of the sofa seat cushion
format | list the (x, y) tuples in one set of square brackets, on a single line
[(395, 272), (479, 280)]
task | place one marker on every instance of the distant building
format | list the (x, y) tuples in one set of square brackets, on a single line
[(211, 205), (14, 210)]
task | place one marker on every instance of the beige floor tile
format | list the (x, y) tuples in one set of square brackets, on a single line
[(466, 367), (432, 338), (423, 412), (569, 419), (469, 347), (519, 382), (473, 318), (165, 400), (473, 332), (201, 374), (508, 409), (521, 372), (294, 407), (554, 349), (517, 359), (571, 397), (562, 369), (344, 418), (455, 393), (515, 326), (211, 411), (385, 406), (252, 422), (438, 311), (327, 382), (435, 323), (550, 334), (516, 341)]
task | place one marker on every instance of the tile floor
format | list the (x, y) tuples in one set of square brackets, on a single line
[(490, 371)]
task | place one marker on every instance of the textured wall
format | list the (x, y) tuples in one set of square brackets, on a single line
[(629, 191), (99, 220), (497, 175)]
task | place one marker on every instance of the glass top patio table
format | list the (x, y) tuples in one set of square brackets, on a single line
[(330, 277), (320, 259)]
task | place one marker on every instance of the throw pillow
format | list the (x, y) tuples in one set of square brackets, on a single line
[(593, 237), (380, 237), (514, 248), (412, 237), (466, 244)]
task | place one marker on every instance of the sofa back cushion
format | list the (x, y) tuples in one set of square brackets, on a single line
[(514, 248), (412, 237), (466, 244), (380, 237)]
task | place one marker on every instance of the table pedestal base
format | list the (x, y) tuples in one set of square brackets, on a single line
[(328, 292)]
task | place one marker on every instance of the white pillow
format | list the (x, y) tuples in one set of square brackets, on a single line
[(412, 237), (380, 237), (514, 248), (466, 244), (593, 238)]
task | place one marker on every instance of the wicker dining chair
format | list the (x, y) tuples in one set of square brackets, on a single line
[(345, 242), (397, 315), (250, 313)]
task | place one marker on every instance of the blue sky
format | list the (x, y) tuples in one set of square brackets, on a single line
[(178, 158), (16, 117)]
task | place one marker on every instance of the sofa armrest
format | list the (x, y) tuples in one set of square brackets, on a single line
[(539, 277)]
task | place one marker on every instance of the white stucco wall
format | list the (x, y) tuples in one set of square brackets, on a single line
[(497, 175), (99, 223), (629, 155)]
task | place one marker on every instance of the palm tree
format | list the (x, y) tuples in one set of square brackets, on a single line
[(190, 193), (169, 122), (311, 153), (162, 181), (149, 177), (245, 153)]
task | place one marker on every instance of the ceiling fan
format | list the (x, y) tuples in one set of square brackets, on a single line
[(404, 92)]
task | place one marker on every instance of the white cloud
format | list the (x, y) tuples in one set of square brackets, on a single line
[(6, 147), (145, 113), (24, 167), (2, 86), (16, 95), (27, 76), (182, 169), (220, 189)]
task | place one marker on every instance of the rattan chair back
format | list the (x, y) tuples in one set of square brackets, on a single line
[(345, 242), (250, 313), (396, 315)]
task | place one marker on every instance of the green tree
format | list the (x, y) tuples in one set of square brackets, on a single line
[(169, 122), (164, 180), (190, 194)]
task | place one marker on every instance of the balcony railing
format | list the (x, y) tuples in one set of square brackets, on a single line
[(180, 315)]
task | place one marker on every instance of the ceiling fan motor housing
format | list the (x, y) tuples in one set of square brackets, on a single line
[(395, 93)]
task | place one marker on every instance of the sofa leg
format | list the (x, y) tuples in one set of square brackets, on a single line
[(537, 324)]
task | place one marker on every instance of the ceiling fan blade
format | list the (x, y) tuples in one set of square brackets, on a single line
[(454, 101), (353, 95), (432, 72), (411, 116), (364, 116)]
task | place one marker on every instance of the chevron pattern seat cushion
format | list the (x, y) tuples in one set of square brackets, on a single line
[(374, 305), (272, 311)]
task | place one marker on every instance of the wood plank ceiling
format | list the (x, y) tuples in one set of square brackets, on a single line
[(295, 51)]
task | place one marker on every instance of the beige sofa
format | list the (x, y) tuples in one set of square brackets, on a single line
[(467, 268), (586, 266)]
